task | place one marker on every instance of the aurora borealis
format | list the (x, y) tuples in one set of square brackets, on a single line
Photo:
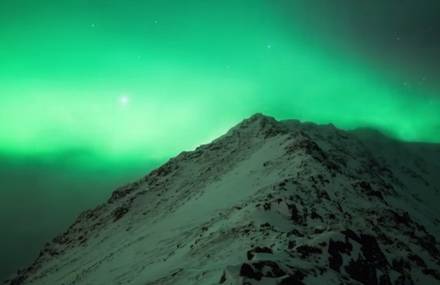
[(193, 68), (105, 84)]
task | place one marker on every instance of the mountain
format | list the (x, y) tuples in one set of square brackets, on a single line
[(269, 202)]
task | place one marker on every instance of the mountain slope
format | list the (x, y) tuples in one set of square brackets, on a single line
[(267, 203)]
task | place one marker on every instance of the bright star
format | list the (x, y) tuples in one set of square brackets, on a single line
[(124, 100)]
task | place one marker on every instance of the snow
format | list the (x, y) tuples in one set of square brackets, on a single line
[(289, 186)]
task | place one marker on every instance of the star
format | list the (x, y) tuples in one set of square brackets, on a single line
[(124, 100)]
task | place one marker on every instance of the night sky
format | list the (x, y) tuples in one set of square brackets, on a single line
[(95, 93)]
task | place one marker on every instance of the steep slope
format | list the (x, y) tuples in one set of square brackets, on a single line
[(267, 203)]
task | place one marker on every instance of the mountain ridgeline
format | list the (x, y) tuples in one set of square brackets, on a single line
[(269, 202)]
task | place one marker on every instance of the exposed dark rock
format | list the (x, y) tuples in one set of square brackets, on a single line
[(434, 273), (119, 212), (251, 253), (400, 265), (163, 170), (248, 271), (266, 225), (223, 278), (351, 235), (269, 268), (429, 243), (18, 280), (417, 260), (335, 248), (370, 268), (384, 279), (362, 271), (367, 189), (372, 252), (295, 232), (315, 215), (404, 279), (294, 214), (307, 250), (121, 192), (291, 244), (403, 219), (266, 206)]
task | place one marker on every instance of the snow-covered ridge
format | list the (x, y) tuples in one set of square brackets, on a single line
[(269, 202)]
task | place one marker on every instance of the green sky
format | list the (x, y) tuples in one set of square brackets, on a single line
[(94, 93), (152, 78)]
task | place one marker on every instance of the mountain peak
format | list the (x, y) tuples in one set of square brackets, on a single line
[(258, 120), (260, 116), (258, 125), (268, 203)]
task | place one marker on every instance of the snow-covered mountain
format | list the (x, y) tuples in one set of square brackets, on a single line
[(267, 203)]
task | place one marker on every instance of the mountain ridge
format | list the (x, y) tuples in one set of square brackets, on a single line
[(244, 208)]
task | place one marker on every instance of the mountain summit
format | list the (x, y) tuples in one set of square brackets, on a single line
[(269, 202)]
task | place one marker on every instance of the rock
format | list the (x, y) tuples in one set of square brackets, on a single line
[(335, 249), (119, 212), (248, 271), (307, 250), (251, 253)]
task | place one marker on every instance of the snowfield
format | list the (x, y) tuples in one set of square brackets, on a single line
[(267, 203)]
